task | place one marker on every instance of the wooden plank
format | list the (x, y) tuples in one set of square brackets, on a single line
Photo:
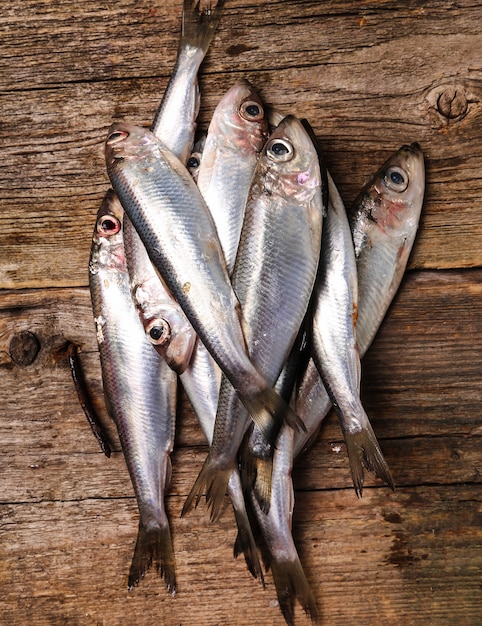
[(364, 90), (69, 518)]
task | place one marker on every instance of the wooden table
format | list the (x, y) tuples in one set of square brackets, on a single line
[(369, 76)]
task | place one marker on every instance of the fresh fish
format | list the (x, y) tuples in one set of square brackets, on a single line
[(384, 220), (334, 347), (236, 136), (382, 249), (182, 93), (273, 277), (175, 225), (140, 391), (279, 551)]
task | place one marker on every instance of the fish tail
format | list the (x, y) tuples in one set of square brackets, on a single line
[(153, 544), (257, 473), (213, 481), (269, 412), (291, 584), (245, 542), (198, 26), (364, 451)]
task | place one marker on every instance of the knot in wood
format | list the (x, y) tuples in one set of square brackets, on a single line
[(452, 103), (24, 348)]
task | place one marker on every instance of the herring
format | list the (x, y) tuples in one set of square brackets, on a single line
[(140, 391)]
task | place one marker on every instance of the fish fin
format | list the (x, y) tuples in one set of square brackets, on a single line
[(198, 26), (364, 450), (153, 544), (214, 481), (256, 462), (291, 584), (245, 542), (269, 411)]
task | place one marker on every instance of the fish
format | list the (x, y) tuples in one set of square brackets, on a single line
[(381, 255), (384, 219), (273, 276), (334, 345), (140, 392), (277, 546), (182, 97), (235, 138), (174, 124), (174, 223)]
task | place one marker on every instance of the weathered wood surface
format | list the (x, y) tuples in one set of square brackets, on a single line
[(369, 76)]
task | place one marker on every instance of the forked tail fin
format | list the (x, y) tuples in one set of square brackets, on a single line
[(153, 544), (291, 584), (364, 451)]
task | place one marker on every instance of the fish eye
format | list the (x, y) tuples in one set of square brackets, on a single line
[(251, 111), (396, 179), (108, 225), (279, 150), (158, 331), (116, 136), (193, 162)]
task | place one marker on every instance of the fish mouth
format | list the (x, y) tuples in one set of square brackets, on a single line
[(414, 148)]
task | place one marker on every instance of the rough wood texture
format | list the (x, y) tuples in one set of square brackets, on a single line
[(369, 76)]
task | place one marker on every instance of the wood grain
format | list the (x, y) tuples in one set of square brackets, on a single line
[(369, 76)]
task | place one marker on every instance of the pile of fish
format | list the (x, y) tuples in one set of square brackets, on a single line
[(232, 267)]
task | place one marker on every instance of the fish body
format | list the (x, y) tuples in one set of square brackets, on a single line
[(236, 135), (174, 223), (273, 276), (181, 98), (279, 551), (140, 391), (384, 220), (335, 350), (381, 255)]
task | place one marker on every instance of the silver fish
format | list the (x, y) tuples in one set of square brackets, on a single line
[(273, 277), (236, 136), (182, 93), (381, 256), (140, 391), (334, 347), (384, 220), (279, 551), (175, 225)]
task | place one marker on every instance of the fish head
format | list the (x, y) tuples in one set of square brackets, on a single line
[(240, 119), (394, 195), (172, 337), (129, 142), (290, 162), (107, 240)]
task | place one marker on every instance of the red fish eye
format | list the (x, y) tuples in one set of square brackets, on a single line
[(116, 136), (108, 225)]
